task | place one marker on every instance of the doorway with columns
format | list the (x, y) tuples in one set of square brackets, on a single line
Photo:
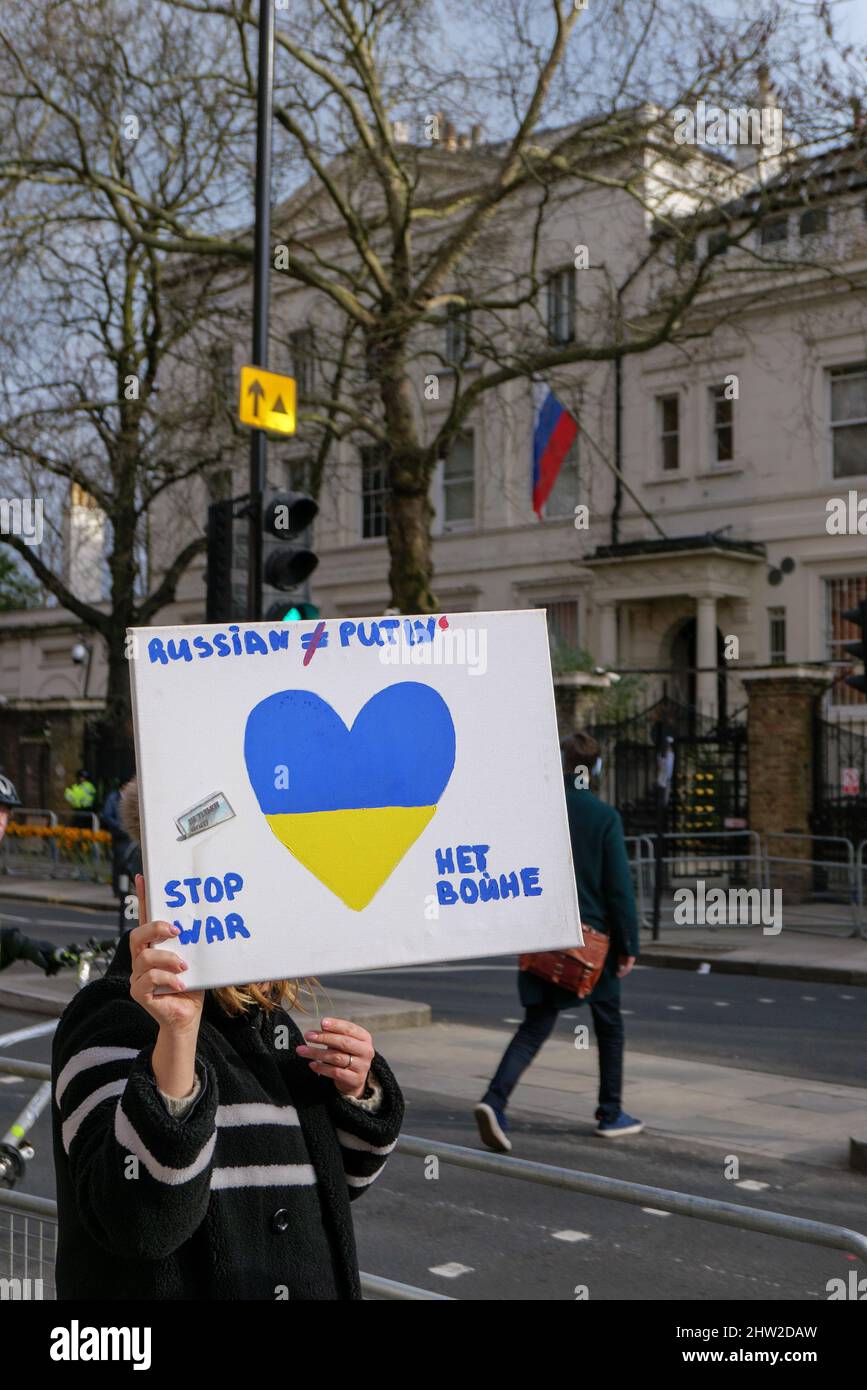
[(705, 691)]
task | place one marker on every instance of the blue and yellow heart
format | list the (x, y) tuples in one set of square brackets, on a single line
[(349, 802)]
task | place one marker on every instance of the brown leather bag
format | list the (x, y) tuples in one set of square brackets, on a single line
[(577, 968)]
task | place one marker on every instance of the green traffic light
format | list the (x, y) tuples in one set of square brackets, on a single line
[(300, 611)]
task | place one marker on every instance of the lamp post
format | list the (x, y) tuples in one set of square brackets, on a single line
[(261, 287)]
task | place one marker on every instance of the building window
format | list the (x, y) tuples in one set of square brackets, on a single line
[(565, 495), (561, 306), (849, 420), (842, 595), (562, 615), (668, 419), (299, 475), (459, 484), (723, 425), (457, 346), (774, 230), (813, 221), (302, 356), (777, 636), (374, 492)]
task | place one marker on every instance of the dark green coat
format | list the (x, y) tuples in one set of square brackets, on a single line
[(605, 894)]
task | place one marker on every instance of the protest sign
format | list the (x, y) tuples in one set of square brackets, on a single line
[(352, 793)]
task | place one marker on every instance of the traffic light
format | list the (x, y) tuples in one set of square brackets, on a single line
[(858, 617), (287, 559), (226, 561), (287, 567)]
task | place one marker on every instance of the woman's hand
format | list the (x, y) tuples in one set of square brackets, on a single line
[(346, 1057), (152, 968)]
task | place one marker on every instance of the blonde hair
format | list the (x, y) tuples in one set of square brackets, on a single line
[(235, 999), (271, 994)]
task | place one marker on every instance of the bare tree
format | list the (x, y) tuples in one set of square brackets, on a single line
[(400, 226), (98, 97)]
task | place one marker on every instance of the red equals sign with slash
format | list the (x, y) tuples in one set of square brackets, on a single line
[(311, 640)]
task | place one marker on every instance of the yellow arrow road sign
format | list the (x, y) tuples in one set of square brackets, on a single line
[(267, 400)]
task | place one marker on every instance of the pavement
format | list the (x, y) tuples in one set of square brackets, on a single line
[(747, 1112), (795, 954), (70, 892), (825, 954), (744, 1112), (28, 991)]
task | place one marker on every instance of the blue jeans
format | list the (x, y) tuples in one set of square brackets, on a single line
[(538, 1024)]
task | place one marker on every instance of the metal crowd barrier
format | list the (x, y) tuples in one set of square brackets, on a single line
[(823, 895), (27, 1251), (28, 1248), (641, 864), (41, 856), (637, 1194), (833, 886)]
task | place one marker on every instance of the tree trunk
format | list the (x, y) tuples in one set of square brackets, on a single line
[(115, 752), (409, 512), (410, 573)]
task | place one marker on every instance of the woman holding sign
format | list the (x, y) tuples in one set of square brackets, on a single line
[(204, 1149)]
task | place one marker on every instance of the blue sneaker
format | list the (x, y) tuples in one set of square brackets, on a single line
[(613, 1129), (493, 1128)]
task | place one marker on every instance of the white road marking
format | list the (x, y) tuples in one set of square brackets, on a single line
[(428, 970), (720, 1004), (847, 996), (750, 1185), (623, 1011), (513, 1020), (452, 1270), (764, 1000), (655, 1211), (675, 1008), (570, 1235), (809, 998)]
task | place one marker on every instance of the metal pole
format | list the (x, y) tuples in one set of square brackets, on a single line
[(261, 286), (658, 852)]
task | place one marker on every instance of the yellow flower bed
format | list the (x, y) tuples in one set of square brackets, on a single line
[(65, 836)]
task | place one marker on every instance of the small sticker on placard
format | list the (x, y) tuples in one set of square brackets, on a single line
[(212, 810)]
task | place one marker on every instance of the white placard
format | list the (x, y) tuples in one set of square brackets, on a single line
[(351, 793)]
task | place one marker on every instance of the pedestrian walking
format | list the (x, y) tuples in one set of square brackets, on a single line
[(204, 1148), (121, 879), (607, 903)]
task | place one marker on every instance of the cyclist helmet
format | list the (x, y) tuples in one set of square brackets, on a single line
[(8, 794)]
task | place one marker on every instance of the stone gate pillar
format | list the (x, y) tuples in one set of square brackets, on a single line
[(781, 762)]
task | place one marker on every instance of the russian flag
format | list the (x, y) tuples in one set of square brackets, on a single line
[(554, 432)]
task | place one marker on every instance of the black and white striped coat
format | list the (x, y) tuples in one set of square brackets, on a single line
[(246, 1196)]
